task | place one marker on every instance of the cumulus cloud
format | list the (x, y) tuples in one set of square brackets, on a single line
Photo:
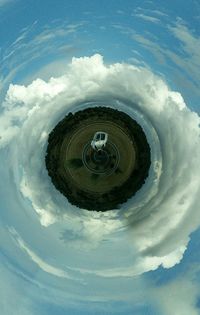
[(31, 44), (161, 217), (181, 59), (179, 296), (64, 259)]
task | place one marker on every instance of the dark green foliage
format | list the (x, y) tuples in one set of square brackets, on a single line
[(118, 171), (75, 163), (95, 176)]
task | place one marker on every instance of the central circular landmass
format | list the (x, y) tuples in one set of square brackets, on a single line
[(103, 161), (98, 158)]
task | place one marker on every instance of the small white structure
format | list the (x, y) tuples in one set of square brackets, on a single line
[(99, 140)]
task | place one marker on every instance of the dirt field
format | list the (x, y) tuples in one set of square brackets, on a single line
[(73, 146)]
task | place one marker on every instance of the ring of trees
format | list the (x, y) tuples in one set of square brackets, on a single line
[(86, 184)]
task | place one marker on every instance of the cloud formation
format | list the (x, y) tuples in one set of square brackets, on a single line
[(179, 58), (161, 217)]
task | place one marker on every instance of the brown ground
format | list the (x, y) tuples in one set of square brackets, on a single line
[(73, 145)]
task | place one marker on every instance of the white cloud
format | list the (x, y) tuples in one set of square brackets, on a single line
[(158, 12), (178, 297), (147, 18), (31, 44), (49, 34), (150, 12), (152, 44), (42, 264), (159, 226), (190, 44), (140, 266), (182, 59)]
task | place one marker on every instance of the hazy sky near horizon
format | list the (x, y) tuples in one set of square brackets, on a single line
[(141, 57)]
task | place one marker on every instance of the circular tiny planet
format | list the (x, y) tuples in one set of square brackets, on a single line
[(98, 158)]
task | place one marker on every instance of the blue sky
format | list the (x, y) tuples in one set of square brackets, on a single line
[(59, 260)]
